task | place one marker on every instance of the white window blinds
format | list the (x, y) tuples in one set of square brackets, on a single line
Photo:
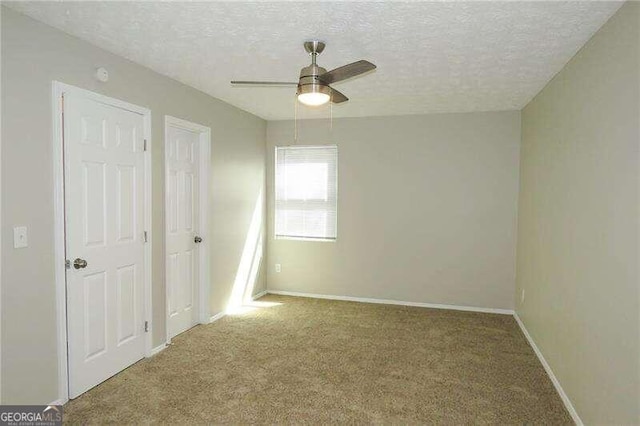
[(306, 192)]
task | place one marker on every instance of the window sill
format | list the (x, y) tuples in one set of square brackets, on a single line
[(321, 240)]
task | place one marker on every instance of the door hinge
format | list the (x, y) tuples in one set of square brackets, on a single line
[(146, 238), (144, 145), (146, 326), (67, 264)]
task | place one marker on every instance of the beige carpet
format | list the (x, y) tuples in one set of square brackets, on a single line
[(320, 361)]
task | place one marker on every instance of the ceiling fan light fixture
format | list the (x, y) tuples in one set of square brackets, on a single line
[(314, 94)]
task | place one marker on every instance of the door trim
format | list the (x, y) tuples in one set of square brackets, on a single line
[(58, 89), (204, 170)]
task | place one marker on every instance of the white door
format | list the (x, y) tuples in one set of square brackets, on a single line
[(104, 207), (182, 219)]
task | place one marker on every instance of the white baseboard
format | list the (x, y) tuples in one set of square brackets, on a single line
[(547, 367), (394, 302), (259, 295), (157, 350), (216, 317), (58, 402)]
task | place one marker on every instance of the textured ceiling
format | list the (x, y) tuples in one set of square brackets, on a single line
[(431, 56)]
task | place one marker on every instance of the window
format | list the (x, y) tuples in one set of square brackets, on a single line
[(306, 192)]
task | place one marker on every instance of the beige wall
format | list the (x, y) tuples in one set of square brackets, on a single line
[(579, 224), (32, 56), (426, 210)]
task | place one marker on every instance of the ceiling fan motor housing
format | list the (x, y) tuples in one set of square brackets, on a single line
[(309, 81)]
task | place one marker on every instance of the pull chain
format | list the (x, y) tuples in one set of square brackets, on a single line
[(331, 118), (295, 120)]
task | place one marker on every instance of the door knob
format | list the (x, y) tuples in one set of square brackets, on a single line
[(79, 263), (197, 239)]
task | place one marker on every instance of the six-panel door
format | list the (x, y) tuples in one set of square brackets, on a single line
[(182, 159), (104, 208)]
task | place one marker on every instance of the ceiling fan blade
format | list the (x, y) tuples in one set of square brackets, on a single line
[(264, 83), (347, 71), (337, 97)]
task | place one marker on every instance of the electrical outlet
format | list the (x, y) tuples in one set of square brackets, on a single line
[(522, 296), (20, 237), (278, 267)]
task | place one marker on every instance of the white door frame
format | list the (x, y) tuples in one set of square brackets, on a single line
[(204, 168), (59, 89)]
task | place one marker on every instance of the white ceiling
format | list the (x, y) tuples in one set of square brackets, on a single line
[(431, 56)]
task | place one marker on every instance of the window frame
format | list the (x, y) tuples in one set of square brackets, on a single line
[(275, 192)]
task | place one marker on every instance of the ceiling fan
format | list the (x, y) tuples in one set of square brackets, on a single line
[(313, 86)]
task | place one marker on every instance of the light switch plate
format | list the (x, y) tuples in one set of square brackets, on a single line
[(20, 237)]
